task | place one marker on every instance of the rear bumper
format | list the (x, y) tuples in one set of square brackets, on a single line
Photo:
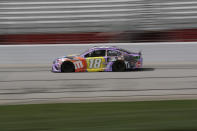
[(139, 64)]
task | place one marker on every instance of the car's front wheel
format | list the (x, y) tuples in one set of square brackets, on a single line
[(67, 66), (119, 66)]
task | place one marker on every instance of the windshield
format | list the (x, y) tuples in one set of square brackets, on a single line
[(84, 52)]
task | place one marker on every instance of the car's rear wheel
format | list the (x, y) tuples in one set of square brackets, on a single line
[(67, 66), (118, 66)]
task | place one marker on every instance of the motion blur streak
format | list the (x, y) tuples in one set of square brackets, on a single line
[(39, 85), (85, 21), (69, 16), (170, 72)]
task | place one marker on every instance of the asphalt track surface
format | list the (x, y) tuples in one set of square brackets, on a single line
[(28, 79)]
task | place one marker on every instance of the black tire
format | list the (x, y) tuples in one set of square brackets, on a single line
[(67, 66), (119, 66)]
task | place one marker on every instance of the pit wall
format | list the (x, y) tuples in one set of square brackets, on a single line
[(184, 35)]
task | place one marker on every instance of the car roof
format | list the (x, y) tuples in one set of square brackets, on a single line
[(105, 47), (109, 48)]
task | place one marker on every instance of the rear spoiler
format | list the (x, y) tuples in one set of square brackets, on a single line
[(140, 53)]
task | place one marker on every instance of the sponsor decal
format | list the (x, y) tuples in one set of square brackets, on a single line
[(138, 64), (96, 64), (78, 64)]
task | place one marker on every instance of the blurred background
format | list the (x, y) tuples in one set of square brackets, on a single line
[(169, 71), (97, 21)]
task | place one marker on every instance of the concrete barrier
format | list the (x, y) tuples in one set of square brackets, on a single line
[(183, 35)]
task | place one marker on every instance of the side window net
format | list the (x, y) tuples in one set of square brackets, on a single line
[(113, 53), (96, 53)]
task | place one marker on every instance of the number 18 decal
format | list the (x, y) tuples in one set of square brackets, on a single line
[(95, 63)]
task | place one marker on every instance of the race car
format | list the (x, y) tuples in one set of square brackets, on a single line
[(98, 59)]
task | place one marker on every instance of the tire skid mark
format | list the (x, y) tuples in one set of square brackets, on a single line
[(134, 78), (79, 91)]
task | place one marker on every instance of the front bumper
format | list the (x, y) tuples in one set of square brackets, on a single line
[(56, 68)]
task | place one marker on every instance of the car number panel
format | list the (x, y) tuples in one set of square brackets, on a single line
[(95, 64)]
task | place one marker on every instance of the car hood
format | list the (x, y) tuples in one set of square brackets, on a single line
[(68, 56)]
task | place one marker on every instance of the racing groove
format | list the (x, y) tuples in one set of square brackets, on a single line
[(170, 72), (153, 82)]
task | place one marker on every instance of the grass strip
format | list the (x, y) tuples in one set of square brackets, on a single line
[(107, 116)]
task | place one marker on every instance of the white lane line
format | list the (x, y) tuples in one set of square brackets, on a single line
[(104, 44), (66, 2), (76, 6)]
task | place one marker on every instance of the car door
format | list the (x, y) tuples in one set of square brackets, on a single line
[(96, 60)]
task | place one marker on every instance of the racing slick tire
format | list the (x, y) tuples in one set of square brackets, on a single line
[(118, 66), (67, 66)]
